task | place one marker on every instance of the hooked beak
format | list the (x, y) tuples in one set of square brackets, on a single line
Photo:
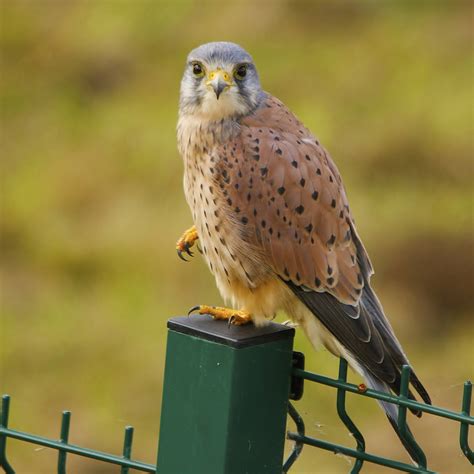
[(219, 80)]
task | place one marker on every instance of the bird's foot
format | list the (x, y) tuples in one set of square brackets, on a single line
[(234, 316), (186, 241)]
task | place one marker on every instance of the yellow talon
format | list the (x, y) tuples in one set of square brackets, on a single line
[(186, 241), (234, 316)]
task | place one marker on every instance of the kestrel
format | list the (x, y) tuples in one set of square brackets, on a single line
[(273, 221)]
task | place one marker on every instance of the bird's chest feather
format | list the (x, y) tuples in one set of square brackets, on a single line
[(233, 262)]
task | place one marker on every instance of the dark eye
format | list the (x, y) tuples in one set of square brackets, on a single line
[(241, 71), (198, 69)]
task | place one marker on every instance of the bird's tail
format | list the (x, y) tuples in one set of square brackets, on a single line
[(371, 304), (391, 410)]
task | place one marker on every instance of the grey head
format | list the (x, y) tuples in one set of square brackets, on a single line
[(220, 80)]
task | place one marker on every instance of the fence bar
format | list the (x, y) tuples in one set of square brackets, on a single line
[(464, 431), (341, 411), (402, 418), (298, 447), (3, 439), (71, 448), (127, 447), (64, 438), (442, 412), (339, 449), (225, 397)]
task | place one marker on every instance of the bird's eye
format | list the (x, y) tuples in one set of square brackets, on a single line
[(198, 70), (241, 71)]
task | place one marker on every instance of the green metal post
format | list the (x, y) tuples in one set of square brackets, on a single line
[(225, 397)]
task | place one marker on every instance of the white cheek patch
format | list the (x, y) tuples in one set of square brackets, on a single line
[(187, 89)]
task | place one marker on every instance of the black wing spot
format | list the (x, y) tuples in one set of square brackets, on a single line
[(300, 209)]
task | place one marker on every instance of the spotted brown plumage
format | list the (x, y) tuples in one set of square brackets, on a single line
[(291, 193), (273, 219)]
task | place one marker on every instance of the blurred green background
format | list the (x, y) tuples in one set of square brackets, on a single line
[(92, 201)]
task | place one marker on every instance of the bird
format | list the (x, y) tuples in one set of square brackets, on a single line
[(272, 220)]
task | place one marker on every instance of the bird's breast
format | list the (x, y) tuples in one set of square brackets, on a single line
[(235, 264)]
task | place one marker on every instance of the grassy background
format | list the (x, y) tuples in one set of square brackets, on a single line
[(92, 201)]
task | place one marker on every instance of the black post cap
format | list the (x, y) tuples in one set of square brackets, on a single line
[(205, 327)]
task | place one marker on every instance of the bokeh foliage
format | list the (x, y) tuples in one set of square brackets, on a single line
[(92, 200)]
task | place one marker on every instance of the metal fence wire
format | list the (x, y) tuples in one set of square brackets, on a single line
[(300, 438)]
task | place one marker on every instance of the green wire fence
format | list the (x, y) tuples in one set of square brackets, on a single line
[(403, 401), (297, 375)]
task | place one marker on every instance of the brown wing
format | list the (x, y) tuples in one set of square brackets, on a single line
[(289, 194)]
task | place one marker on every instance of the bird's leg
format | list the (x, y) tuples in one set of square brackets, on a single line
[(234, 316), (186, 241)]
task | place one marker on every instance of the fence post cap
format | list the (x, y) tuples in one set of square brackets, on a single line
[(205, 327)]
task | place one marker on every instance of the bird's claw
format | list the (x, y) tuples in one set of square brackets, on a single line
[(185, 242), (194, 308), (185, 248), (233, 316)]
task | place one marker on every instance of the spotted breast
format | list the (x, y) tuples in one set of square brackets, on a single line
[(241, 274)]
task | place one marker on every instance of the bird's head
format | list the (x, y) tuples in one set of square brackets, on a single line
[(220, 81)]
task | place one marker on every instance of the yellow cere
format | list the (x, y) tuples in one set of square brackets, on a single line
[(219, 72)]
